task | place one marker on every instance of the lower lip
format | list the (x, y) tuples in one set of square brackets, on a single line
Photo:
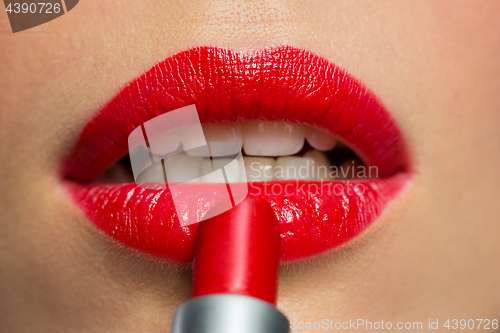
[(314, 217)]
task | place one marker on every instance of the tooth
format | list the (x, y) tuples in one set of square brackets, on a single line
[(208, 174), (321, 165), (164, 143), (223, 132), (259, 168), (182, 168), (233, 169), (272, 138), (291, 167), (319, 140), (152, 174), (220, 133)]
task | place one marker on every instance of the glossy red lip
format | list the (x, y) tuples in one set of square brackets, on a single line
[(282, 83)]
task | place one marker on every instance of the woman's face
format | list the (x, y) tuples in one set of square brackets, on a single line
[(432, 254)]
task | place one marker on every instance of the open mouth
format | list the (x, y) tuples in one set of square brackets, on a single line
[(318, 145), (271, 151)]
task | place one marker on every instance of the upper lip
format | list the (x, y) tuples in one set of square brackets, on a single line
[(281, 83)]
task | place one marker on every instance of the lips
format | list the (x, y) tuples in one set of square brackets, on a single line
[(276, 84)]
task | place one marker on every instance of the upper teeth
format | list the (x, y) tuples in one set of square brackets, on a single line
[(256, 138), (219, 133), (272, 138), (269, 138), (319, 140)]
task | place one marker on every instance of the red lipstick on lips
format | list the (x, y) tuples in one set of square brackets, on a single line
[(282, 83)]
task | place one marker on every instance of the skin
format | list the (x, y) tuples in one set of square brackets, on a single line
[(432, 255)]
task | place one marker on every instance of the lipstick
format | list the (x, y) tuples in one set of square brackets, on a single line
[(235, 274)]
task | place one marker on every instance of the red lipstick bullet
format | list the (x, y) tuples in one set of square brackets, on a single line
[(235, 274)]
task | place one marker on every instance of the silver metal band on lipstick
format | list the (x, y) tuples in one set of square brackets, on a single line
[(228, 313)]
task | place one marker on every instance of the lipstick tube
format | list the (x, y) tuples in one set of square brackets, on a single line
[(235, 274)]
